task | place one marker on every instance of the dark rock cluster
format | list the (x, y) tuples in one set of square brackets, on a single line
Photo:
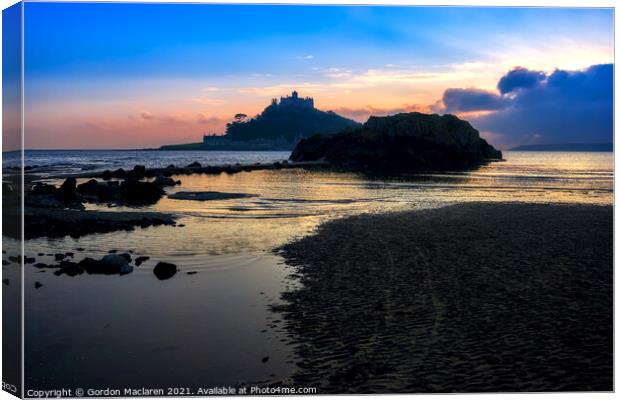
[(110, 264), (132, 190)]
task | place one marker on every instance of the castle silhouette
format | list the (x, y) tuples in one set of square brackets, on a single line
[(280, 126), (294, 101)]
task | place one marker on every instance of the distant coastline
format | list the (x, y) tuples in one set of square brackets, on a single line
[(603, 147)]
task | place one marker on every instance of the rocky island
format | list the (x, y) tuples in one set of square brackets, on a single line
[(279, 126), (402, 142)]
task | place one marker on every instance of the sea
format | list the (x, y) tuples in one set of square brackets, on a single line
[(215, 327)]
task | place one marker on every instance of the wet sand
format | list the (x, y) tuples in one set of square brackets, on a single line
[(467, 298)]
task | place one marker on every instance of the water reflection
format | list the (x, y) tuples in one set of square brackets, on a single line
[(214, 327)]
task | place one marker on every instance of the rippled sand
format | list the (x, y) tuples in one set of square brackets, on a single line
[(467, 298)]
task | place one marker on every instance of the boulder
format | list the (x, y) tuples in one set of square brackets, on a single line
[(164, 270), (69, 268), (140, 260), (161, 180), (400, 143), (98, 191), (139, 170), (41, 188), (68, 190), (140, 193), (195, 164), (43, 195), (126, 256), (115, 264)]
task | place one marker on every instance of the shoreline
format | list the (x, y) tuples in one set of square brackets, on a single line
[(474, 297)]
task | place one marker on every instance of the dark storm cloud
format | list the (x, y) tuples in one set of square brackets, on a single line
[(562, 107), (464, 100), (519, 77)]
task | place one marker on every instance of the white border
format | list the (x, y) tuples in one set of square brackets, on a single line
[(484, 3)]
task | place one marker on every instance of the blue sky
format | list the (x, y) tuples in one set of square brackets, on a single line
[(149, 74)]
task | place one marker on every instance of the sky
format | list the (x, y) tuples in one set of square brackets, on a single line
[(105, 75)]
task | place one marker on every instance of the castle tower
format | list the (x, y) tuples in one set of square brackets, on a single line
[(294, 94)]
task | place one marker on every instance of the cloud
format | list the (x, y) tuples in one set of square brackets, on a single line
[(519, 77), (306, 57), (338, 73), (464, 100), (560, 107), (210, 121), (147, 115), (362, 113), (209, 101)]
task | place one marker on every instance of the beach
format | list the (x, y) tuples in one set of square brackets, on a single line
[(467, 298), (382, 285)]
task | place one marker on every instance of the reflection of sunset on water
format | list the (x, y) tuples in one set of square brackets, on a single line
[(292, 202)]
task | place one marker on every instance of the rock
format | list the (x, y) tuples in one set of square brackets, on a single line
[(80, 249), (140, 260), (42, 222), (68, 190), (15, 259), (69, 268), (140, 193), (265, 359), (161, 180), (164, 270), (171, 166), (113, 263), (29, 260), (92, 266), (37, 285), (5, 262), (40, 254), (43, 189), (139, 170), (43, 195), (59, 256), (402, 142), (5, 281), (44, 201), (69, 254), (195, 164), (41, 265), (98, 191), (106, 175), (191, 272), (126, 256), (204, 196)]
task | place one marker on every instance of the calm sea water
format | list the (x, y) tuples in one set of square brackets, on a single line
[(215, 327), (68, 161)]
